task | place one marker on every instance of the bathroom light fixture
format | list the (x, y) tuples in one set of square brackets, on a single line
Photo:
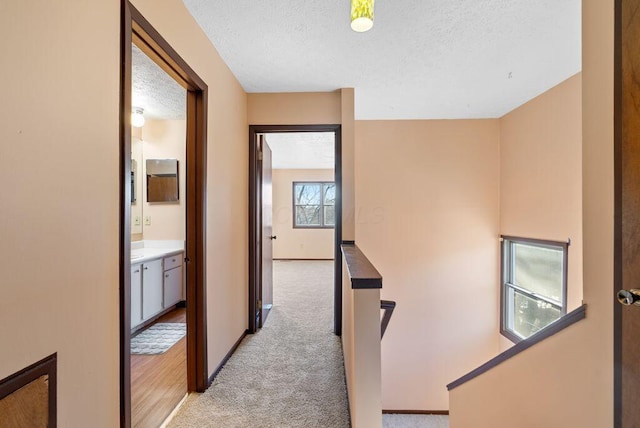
[(361, 15), (137, 118)]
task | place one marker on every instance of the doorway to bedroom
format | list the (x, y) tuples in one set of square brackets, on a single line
[(295, 206)]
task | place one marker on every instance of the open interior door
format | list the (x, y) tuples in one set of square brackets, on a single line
[(265, 299), (627, 257)]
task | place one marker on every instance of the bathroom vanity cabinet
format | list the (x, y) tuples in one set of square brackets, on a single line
[(156, 285)]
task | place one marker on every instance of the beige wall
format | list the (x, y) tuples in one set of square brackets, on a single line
[(227, 154), (530, 184), (60, 152), (427, 201), (347, 99), (60, 264), (541, 175), (571, 372), (297, 108), (298, 243), (164, 139)]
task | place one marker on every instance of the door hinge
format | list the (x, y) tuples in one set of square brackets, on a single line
[(260, 155), (259, 305)]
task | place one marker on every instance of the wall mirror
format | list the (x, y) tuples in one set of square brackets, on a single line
[(162, 180)]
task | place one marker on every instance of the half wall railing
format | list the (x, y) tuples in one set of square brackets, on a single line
[(362, 330)]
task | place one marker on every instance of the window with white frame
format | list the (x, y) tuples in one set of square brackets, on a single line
[(534, 285), (314, 204)]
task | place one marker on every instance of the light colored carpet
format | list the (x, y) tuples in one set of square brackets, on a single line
[(158, 338), (291, 373), (414, 421)]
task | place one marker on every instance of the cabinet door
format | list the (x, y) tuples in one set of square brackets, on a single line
[(136, 295), (172, 286), (151, 288)]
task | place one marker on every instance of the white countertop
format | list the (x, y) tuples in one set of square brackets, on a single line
[(144, 251)]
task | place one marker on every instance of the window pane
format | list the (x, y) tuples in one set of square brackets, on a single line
[(329, 215), (538, 269), (529, 315), (308, 193), (308, 215), (330, 194)]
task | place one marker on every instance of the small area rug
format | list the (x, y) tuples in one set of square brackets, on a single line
[(158, 338)]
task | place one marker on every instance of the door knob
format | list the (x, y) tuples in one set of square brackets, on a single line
[(273, 237), (629, 297)]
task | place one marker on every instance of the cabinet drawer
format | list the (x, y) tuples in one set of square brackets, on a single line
[(173, 261)]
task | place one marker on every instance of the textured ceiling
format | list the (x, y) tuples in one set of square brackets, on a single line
[(303, 150), (422, 59), (155, 91)]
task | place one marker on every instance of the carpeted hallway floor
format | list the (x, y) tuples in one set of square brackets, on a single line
[(291, 373)]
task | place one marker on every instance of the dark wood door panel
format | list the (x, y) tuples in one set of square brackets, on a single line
[(628, 211)]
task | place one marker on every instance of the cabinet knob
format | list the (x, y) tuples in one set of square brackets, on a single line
[(136, 271), (173, 260), (146, 268), (166, 275)]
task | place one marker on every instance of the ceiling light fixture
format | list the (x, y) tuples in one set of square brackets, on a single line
[(137, 117), (361, 15)]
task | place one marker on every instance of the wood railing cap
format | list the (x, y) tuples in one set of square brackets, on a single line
[(361, 271)]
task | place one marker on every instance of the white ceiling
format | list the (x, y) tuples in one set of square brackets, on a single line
[(423, 58), (302, 150), (155, 91)]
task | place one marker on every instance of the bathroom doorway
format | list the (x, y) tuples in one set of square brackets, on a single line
[(158, 300), (162, 226)]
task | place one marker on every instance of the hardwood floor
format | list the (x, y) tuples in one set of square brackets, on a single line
[(159, 382)]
